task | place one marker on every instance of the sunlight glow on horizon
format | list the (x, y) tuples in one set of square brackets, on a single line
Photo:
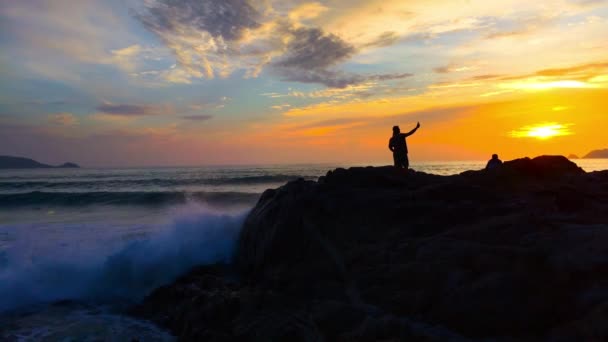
[(569, 84), (543, 131)]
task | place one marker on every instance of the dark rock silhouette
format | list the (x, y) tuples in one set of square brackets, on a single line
[(10, 162), (68, 166), (597, 154), (370, 254)]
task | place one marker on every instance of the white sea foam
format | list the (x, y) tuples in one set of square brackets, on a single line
[(42, 263)]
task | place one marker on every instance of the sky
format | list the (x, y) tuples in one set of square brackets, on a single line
[(200, 82)]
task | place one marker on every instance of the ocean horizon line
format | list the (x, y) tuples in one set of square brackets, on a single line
[(266, 165)]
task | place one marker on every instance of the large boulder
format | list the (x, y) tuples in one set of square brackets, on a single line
[(469, 252)]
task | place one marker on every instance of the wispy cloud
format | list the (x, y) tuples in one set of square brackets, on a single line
[(339, 122), (197, 117), (281, 106), (134, 109), (387, 38), (454, 68), (587, 75), (214, 38), (63, 119)]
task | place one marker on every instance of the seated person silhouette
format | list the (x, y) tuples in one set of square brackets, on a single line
[(398, 146), (494, 162)]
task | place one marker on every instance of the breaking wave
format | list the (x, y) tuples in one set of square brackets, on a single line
[(129, 270)]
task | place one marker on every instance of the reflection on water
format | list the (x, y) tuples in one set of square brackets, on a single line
[(591, 165)]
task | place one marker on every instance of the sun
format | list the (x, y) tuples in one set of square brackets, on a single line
[(542, 131)]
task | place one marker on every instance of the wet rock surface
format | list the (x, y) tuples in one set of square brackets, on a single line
[(367, 254)]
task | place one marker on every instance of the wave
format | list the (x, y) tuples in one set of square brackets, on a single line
[(144, 198), (152, 182), (104, 272)]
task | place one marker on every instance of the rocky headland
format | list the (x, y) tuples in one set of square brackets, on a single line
[(10, 162), (597, 154), (368, 254)]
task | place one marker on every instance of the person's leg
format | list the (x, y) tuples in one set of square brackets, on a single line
[(406, 162), (400, 161), (396, 160)]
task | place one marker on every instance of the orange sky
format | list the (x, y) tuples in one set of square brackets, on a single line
[(132, 83)]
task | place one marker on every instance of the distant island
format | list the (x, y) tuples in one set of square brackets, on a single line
[(10, 162), (597, 154), (573, 156)]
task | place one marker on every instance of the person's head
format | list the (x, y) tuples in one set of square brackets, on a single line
[(396, 130), (495, 156)]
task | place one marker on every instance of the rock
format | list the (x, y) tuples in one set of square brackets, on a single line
[(597, 154), (10, 162), (382, 254), (68, 166)]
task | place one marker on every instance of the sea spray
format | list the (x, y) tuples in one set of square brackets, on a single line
[(107, 269)]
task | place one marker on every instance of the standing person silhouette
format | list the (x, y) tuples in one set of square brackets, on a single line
[(398, 146)]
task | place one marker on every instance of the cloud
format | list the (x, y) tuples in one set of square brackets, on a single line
[(197, 117), (307, 11), (388, 77), (486, 77), (202, 35), (126, 58), (48, 102), (323, 128), (387, 38), (281, 106), (431, 115), (63, 119), (330, 78), (508, 34), (214, 38), (582, 73), (584, 69), (310, 54), (311, 48), (191, 111), (589, 2), (454, 68), (222, 19), (584, 76), (134, 110), (339, 122), (61, 39)]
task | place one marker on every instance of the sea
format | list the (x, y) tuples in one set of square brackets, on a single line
[(79, 246)]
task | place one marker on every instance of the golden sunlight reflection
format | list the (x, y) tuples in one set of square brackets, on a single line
[(542, 131)]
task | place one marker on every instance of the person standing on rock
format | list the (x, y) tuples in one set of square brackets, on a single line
[(398, 146)]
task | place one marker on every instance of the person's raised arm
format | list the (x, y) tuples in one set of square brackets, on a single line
[(413, 131)]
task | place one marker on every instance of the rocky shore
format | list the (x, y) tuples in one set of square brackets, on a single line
[(368, 254)]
